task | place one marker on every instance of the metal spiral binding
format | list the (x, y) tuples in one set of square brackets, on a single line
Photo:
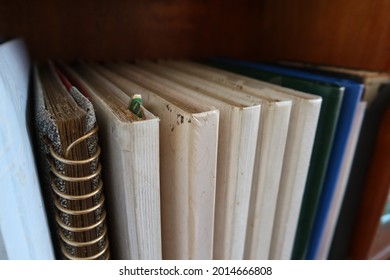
[(100, 225)]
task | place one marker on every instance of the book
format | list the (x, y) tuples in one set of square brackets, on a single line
[(302, 126), (377, 95), (334, 208), (355, 187), (188, 164), (70, 161), (24, 228), (374, 197), (331, 103), (131, 157)]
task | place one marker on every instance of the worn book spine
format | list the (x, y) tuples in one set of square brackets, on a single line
[(266, 179), (300, 142)]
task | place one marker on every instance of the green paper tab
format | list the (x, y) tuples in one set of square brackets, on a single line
[(135, 105)]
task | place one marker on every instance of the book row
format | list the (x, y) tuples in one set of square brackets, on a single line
[(177, 159)]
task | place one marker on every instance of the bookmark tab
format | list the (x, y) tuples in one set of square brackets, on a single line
[(135, 105)]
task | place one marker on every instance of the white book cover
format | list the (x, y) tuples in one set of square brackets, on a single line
[(234, 244), (130, 159), (188, 145), (24, 230), (232, 129), (338, 195), (302, 126)]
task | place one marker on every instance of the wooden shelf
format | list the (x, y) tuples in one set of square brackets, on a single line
[(344, 32)]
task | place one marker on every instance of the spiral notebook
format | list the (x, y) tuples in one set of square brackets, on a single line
[(70, 161)]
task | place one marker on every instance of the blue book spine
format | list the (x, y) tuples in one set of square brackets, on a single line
[(349, 105)]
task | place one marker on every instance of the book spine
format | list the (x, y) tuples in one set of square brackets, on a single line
[(300, 139), (266, 179), (202, 183)]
